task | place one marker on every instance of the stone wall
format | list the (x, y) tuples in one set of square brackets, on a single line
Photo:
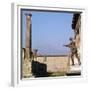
[(76, 22), (55, 63)]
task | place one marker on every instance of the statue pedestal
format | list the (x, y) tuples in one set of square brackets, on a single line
[(74, 69)]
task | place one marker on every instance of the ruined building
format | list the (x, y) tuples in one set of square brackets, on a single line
[(76, 26)]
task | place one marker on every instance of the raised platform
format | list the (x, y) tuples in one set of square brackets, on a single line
[(74, 70)]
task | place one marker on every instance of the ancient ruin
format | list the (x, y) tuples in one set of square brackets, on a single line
[(76, 26), (32, 62), (26, 67)]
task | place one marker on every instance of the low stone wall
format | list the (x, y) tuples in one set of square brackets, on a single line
[(55, 63)]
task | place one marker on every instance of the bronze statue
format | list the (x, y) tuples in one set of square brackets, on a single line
[(73, 50)]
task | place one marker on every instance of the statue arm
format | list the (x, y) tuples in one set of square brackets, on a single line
[(68, 45)]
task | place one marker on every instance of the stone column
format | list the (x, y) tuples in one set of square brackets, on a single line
[(28, 35), (27, 61)]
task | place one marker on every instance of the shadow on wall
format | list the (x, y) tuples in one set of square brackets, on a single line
[(39, 69)]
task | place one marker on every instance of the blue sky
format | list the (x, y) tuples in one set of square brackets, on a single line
[(50, 31)]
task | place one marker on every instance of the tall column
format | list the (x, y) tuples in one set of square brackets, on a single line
[(28, 35), (27, 67)]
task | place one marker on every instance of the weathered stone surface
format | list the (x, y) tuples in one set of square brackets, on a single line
[(55, 64), (26, 68)]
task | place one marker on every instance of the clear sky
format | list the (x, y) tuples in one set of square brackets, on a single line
[(50, 31)]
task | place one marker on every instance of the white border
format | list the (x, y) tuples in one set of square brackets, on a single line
[(15, 28)]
